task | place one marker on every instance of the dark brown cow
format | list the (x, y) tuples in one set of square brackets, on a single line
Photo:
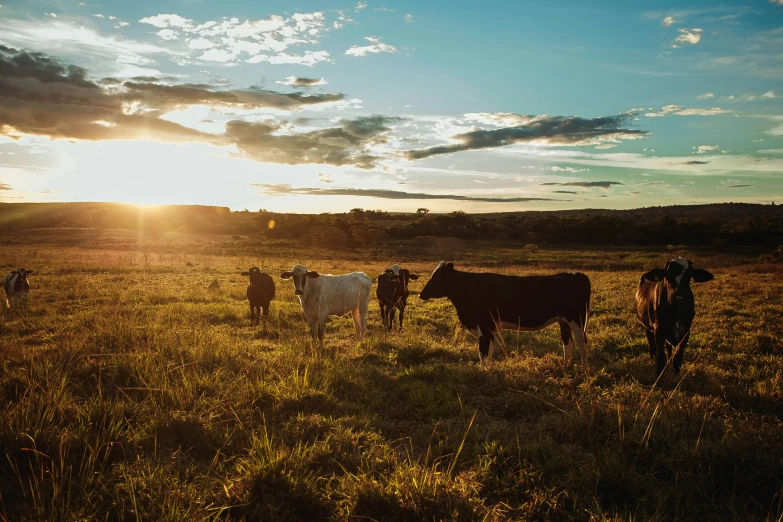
[(260, 293), (392, 293), (488, 302), (665, 307)]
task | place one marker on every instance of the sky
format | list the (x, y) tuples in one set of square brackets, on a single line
[(328, 106)]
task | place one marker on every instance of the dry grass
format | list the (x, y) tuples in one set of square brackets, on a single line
[(131, 392)]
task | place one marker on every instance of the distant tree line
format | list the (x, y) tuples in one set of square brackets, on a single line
[(719, 226)]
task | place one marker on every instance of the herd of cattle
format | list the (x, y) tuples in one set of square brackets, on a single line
[(486, 303)]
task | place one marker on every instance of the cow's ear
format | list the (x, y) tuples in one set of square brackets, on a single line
[(286, 275), (312, 274), (656, 274), (388, 271), (29, 272), (450, 266), (245, 273), (701, 276), (414, 277)]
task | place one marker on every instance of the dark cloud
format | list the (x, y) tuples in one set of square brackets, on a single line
[(662, 184), (3, 186), (565, 192), (39, 95), (279, 190), (605, 185), (694, 162), (734, 186), (298, 81), (170, 97), (557, 130), (342, 145)]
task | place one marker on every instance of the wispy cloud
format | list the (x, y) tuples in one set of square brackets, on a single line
[(603, 185), (705, 149), (376, 46), (553, 130), (668, 21), (679, 110), (688, 36), (298, 81), (282, 190)]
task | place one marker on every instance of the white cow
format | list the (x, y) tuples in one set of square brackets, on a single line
[(324, 295), (16, 286)]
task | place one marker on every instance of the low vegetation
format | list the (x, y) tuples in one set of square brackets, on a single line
[(133, 391)]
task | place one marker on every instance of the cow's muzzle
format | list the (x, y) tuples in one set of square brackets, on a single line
[(299, 292)]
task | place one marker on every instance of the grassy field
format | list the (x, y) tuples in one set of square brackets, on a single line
[(132, 392)]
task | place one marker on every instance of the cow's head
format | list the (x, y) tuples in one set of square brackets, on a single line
[(254, 272), (396, 273), (300, 275), (676, 276), (440, 282)]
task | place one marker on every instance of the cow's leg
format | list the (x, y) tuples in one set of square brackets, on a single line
[(402, 313), (486, 345), (392, 315), (266, 310), (565, 335), (651, 343), (680, 352), (364, 309), (580, 339), (660, 350), (357, 321), (383, 314), (251, 315)]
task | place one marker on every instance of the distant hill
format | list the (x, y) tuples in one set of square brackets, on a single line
[(715, 225)]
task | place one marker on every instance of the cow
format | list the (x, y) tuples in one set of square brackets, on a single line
[(324, 295), (392, 293), (260, 293), (487, 303), (665, 307), (16, 286)]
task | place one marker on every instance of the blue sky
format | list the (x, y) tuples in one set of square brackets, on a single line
[(322, 106)]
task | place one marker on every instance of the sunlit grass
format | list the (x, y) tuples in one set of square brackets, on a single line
[(132, 392)]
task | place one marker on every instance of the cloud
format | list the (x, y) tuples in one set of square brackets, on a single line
[(106, 53), (409, 18), (281, 190), (309, 58), (42, 96), (733, 184), (299, 81), (770, 151), (3, 186), (668, 21), (705, 96), (232, 40), (553, 130), (565, 192), (688, 36), (693, 162), (376, 46), (679, 110), (603, 185), (325, 178), (704, 149), (346, 144), (564, 169)]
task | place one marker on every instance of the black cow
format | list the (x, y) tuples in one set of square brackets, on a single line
[(392, 293), (665, 307), (16, 286), (260, 293), (487, 303)]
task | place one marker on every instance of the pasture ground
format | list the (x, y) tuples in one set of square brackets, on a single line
[(132, 392)]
